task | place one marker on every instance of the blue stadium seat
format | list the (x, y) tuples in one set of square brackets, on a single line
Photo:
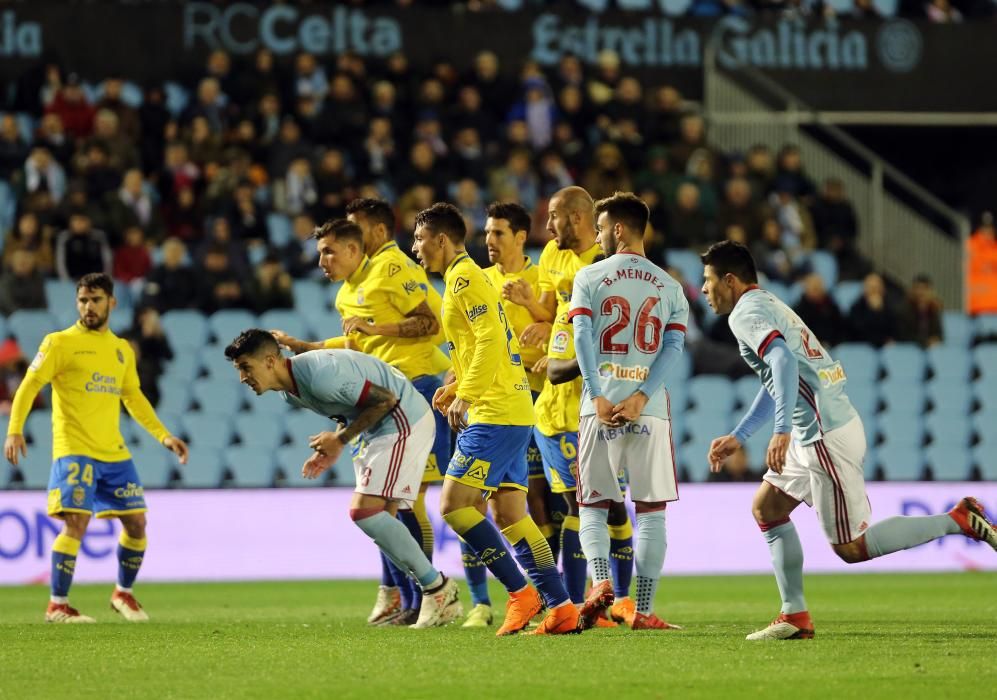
[(860, 362), (174, 397), (226, 324), (322, 324), (204, 470), (251, 467), (949, 363), (864, 396), (36, 466), (901, 464), (287, 320), (703, 426), (301, 424), (713, 393), (985, 394), (758, 444), (825, 265), (678, 397), (950, 463), (985, 459), (280, 229), (957, 329), (30, 326), (681, 370), (38, 427), (184, 367), (903, 361), (983, 423), (687, 262), (218, 396), (692, 458), (61, 294), (26, 125), (949, 429), (985, 359), (154, 464), (745, 390), (261, 431), (212, 359), (900, 429), (903, 396), (846, 294), (185, 328), (985, 327), (269, 404), (207, 429), (780, 290), (436, 283), (310, 294), (289, 461), (951, 397), (8, 207)]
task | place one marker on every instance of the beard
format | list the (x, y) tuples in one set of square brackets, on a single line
[(566, 237), (93, 322)]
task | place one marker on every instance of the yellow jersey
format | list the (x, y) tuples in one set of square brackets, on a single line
[(483, 349), (519, 316), (384, 289), (91, 373), (558, 404)]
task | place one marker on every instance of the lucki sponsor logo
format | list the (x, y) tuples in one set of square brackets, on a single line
[(612, 370)]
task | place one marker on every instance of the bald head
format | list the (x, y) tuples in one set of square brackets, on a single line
[(571, 219)]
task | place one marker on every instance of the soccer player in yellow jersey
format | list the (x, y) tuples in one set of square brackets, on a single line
[(490, 405), (92, 372), (386, 314), (571, 223)]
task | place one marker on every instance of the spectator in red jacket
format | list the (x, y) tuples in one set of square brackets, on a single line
[(73, 108)]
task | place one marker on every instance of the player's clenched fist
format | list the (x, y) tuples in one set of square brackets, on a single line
[(720, 449)]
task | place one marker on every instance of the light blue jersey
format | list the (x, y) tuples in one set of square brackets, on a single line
[(633, 303), (759, 318), (334, 383)]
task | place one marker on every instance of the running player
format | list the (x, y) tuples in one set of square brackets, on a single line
[(391, 428), (629, 319), (92, 372), (490, 406), (386, 313), (571, 223), (817, 447)]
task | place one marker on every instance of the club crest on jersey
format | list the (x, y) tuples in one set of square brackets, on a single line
[(559, 343), (460, 284), (37, 362), (79, 495), (121, 356), (393, 269), (360, 296)]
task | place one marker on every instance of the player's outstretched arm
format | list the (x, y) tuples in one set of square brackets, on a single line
[(420, 322)]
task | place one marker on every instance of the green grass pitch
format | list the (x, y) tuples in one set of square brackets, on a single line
[(878, 636)]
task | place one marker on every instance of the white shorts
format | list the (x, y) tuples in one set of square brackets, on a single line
[(641, 452), (828, 476), (392, 465)]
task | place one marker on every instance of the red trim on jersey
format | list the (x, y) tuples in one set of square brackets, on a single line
[(294, 382), (364, 392), (808, 396), (765, 527), (768, 341), (675, 327), (578, 311)]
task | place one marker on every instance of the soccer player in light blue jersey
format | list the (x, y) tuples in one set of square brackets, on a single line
[(391, 428), (817, 447), (629, 319)]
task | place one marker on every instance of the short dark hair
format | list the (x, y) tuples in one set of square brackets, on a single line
[(376, 211), (730, 257), (625, 208), (251, 342), (515, 214), (444, 218), (96, 280), (340, 229)]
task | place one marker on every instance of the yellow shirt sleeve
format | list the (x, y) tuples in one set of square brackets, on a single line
[(337, 343), (479, 303), (40, 372), (403, 290), (136, 402), (544, 281)]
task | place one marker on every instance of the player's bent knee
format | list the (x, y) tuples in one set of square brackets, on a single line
[(358, 514), (75, 524), (852, 552)]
